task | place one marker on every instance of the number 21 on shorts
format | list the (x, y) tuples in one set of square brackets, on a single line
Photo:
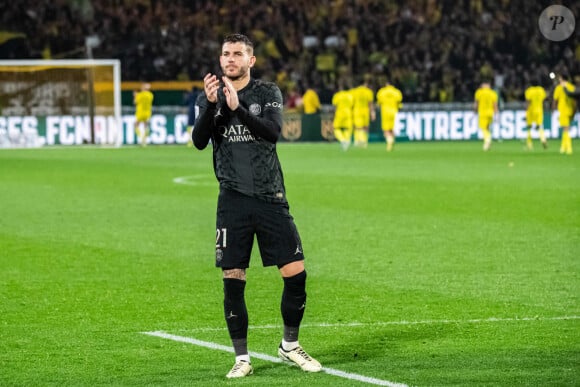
[(221, 238)]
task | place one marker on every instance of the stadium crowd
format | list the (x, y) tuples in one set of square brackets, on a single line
[(434, 50)]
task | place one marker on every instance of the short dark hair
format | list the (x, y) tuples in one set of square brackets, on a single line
[(239, 38)]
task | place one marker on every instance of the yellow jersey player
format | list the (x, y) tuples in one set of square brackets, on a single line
[(342, 123), (389, 99), (310, 101), (486, 107), (143, 100), (566, 106), (363, 113), (535, 96)]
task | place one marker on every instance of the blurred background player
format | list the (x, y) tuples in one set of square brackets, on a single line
[(190, 100), (535, 96), (485, 105), (389, 99), (363, 112), (143, 101), (342, 123), (566, 106), (310, 101)]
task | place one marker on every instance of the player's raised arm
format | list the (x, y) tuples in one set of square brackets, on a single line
[(206, 106)]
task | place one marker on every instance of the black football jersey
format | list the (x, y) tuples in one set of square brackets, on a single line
[(244, 141)]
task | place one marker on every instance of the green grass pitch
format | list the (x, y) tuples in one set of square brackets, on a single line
[(434, 265)]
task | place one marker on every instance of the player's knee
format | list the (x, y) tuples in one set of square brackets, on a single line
[(233, 290), (296, 284), (292, 268), (294, 299)]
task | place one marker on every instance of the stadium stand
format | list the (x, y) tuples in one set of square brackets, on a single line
[(434, 50)]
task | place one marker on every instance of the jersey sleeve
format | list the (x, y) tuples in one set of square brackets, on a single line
[(203, 126), (269, 125)]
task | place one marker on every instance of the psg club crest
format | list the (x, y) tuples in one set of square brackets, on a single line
[(255, 109)]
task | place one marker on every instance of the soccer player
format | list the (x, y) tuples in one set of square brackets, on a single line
[(485, 105), (363, 112), (143, 100), (342, 122), (310, 101), (566, 107), (535, 96), (389, 99), (243, 118)]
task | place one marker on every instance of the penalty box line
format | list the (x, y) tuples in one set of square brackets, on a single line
[(272, 359)]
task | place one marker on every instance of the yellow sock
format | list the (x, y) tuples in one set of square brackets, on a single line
[(138, 133), (542, 134), (486, 135), (568, 139), (564, 142), (486, 139)]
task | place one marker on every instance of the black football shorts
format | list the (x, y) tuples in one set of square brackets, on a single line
[(240, 218)]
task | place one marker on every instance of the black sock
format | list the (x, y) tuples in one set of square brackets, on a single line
[(293, 305), (236, 314)]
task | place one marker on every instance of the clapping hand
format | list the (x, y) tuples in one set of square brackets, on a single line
[(231, 94), (211, 85)]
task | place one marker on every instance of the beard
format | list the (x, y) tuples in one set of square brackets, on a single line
[(237, 74)]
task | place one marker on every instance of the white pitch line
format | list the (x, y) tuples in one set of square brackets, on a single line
[(196, 180), (401, 322), (261, 356)]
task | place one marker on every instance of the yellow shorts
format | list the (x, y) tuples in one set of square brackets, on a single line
[(362, 120), (485, 121), (534, 117), (388, 120), (142, 117), (565, 120), (342, 122)]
